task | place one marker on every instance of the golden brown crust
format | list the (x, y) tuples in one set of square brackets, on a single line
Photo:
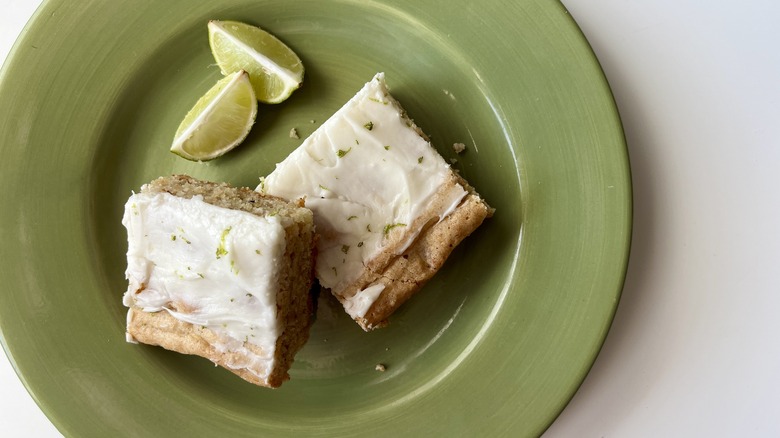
[(293, 301), (235, 198), (403, 275), (163, 330), (407, 273)]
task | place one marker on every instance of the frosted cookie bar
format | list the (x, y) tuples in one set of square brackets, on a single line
[(219, 272), (388, 209)]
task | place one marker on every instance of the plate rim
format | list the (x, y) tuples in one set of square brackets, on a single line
[(48, 4)]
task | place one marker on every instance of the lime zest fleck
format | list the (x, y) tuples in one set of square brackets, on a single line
[(387, 147), (345, 249), (389, 227), (341, 152), (351, 217), (420, 160), (369, 125), (360, 244), (221, 251)]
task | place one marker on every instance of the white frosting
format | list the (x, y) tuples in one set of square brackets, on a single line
[(367, 174), (357, 305), (209, 266)]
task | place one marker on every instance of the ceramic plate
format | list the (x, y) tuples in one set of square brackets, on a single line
[(496, 344)]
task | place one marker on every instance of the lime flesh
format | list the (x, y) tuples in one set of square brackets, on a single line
[(219, 121)]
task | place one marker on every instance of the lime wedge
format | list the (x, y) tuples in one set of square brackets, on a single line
[(274, 69), (219, 121)]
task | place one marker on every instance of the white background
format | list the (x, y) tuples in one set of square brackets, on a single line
[(695, 346)]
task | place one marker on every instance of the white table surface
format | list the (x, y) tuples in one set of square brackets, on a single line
[(694, 348)]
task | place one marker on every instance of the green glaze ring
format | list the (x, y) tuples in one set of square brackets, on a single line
[(496, 344)]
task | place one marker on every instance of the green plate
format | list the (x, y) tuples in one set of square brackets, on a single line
[(496, 344)]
